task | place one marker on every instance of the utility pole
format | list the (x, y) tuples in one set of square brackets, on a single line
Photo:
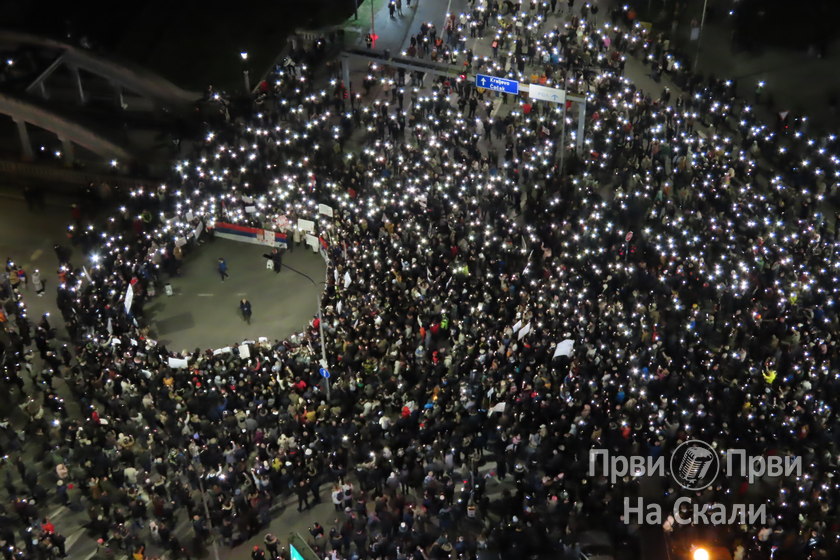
[(372, 23), (699, 36), (245, 74), (563, 124), (207, 513), (324, 363)]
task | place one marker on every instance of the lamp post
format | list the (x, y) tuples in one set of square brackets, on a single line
[(324, 363), (372, 23), (563, 124), (245, 74), (207, 514), (700, 36)]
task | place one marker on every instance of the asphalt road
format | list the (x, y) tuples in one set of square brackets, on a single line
[(27, 237), (204, 311)]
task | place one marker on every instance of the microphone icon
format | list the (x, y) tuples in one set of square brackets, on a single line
[(695, 466)]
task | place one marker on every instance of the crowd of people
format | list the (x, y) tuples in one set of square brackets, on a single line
[(688, 254)]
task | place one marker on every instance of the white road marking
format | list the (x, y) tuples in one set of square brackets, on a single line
[(57, 512), (71, 540), (448, 8), (36, 255), (497, 106), (205, 295)]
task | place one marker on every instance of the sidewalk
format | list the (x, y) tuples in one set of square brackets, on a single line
[(391, 33), (795, 80)]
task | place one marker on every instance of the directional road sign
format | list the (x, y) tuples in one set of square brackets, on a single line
[(325, 373), (546, 93), (497, 84)]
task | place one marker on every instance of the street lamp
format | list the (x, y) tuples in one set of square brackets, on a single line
[(563, 124), (700, 35), (244, 55), (372, 23), (207, 514), (324, 363)]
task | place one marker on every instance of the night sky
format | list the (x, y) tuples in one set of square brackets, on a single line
[(191, 43)]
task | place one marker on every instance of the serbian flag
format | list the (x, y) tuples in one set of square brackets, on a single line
[(249, 234)]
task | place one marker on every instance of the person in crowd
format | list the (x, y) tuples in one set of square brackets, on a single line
[(245, 309), (222, 268)]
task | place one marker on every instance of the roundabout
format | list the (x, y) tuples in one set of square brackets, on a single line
[(204, 312)]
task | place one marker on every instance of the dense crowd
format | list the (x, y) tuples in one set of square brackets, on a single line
[(688, 253)]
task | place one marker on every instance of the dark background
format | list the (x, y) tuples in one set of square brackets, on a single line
[(195, 43), (191, 43), (798, 24)]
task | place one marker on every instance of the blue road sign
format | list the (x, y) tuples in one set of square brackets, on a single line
[(496, 84), (325, 373), (294, 553)]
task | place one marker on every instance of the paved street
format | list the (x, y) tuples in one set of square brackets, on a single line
[(204, 311), (27, 237), (796, 80)]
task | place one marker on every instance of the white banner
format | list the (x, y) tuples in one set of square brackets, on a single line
[(498, 407), (282, 223), (178, 363), (564, 348), (129, 298), (312, 241), (325, 210), (267, 237), (306, 225)]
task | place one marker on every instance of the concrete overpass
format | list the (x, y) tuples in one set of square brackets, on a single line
[(69, 132), (121, 76), (40, 99)]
